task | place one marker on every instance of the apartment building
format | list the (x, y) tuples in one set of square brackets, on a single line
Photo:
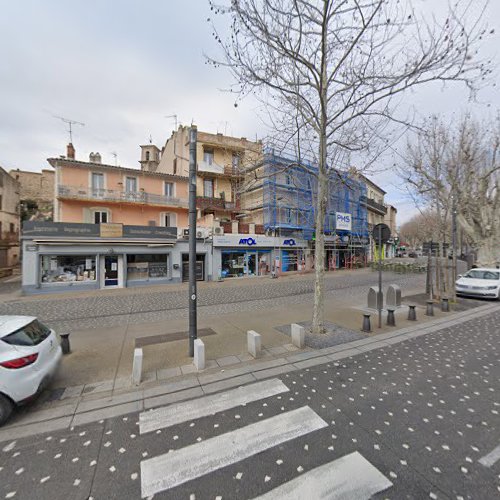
[(113, 227), (9, 220)]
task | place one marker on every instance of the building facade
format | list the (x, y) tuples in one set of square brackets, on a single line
[(36, 193), (9, 221)]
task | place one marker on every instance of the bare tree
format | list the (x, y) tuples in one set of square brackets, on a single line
[(458, 168), (331, 74), (420, 228)]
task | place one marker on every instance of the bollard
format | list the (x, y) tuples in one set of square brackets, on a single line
[(430, 308), (445, 305), (391, 321), (66, 348), (412, 313), (367, 327), (254, 343), (137, 367), (199, 354), (298, 335)]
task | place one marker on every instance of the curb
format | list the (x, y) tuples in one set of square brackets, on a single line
[(85, 411)]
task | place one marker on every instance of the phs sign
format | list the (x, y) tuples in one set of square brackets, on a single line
[(343, 221)]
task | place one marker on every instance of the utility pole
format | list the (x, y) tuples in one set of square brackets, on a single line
[(380, 296), (193, 330)]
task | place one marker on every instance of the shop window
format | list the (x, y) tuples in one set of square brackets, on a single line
[(68, 268), (147, 266), (168, 220), (169, 189)]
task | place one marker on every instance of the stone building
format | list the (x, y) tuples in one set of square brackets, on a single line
[(36, 193), (9, 220)]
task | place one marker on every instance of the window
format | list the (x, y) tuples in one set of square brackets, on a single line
[(131, 185), (208, 156), (208, 188), (288, 214), (147, 266), (288, 179), (68, 268), (12, 228), (169, 189), (30, 335), (236, 161), (175, 166), (97, 184), (168, 219), (100, 216), (147, 155)]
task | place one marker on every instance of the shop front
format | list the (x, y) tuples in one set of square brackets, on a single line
[(243, 255), (70, 256), (345, 251)]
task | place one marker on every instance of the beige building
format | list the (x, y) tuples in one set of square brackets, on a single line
[(36, 193), (9, 220), (221, 160)]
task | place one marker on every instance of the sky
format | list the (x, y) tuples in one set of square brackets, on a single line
[(125, 71)]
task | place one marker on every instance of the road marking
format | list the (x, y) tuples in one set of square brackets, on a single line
[(208, 405), (491, 458), (351, 477), (171, 469)]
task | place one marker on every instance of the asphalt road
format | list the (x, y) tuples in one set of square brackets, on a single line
[(419, 419)]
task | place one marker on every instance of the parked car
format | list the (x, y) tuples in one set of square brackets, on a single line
[(30, 353), (479, 282)]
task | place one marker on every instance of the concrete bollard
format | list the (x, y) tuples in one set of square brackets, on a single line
[(65, 346), (298, 336), (391, 320), (137, 367), (254, 341), (429, 311), (445, 304), (367, 327), (199, 354), (412, 313)]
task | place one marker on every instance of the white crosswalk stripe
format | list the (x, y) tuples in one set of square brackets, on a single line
[(208, 405), (491, 458), (351, 477), (172, 469)]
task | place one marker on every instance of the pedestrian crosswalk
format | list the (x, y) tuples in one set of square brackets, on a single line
[(349, 477)]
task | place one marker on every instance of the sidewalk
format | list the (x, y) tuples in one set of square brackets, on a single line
[(78, 406)]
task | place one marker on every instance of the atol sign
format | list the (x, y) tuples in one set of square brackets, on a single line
[(289, 243), (343, 221), (247, 241)]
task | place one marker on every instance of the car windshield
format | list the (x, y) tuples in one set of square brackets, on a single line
[(30, 335), (477, 274)]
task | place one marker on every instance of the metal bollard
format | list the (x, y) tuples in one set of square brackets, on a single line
[(412, 313), (430, 308), (391, 321), (366, 323), (66, 348), (445, 305)]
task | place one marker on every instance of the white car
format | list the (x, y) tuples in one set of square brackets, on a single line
[(480, 282), (30, 353)]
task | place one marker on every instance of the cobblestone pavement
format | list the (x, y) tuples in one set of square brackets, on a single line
[(418, 419), (109, 310)]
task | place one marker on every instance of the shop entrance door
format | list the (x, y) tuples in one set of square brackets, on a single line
[(111, 273), (251, 263)]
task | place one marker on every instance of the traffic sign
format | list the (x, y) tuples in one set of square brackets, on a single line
[(381, 232)]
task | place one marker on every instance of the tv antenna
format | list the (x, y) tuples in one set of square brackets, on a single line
[(114, 154), (70, 124), (175, 119)]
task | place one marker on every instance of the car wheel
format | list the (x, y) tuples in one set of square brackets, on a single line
[(6, 408)]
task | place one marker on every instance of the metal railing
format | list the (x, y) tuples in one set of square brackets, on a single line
[(141, 197), (220, 203), (372, 204)]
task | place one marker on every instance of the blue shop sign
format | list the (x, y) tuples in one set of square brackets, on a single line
[(290, 242)]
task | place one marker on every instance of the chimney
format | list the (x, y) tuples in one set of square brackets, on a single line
[(70, 151), (97, 158)]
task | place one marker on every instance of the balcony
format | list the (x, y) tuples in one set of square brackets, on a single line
[(208, 203), (372, 205), (117, 196), (9, 238), (213, 168)]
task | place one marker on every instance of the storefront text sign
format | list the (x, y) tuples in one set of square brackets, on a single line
[(344, 221), (111, 230), (256, 241)]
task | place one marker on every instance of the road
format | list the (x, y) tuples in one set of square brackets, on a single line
[(419, 419)]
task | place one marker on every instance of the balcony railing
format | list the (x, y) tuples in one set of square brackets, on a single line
[(204, 202), (112, 195), (371, 204), (7, 237)]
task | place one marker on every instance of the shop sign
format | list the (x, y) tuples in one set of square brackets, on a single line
[(247, 241), (344, 221), (289, 243), (111, 230), (256, 241), (31, 248)]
